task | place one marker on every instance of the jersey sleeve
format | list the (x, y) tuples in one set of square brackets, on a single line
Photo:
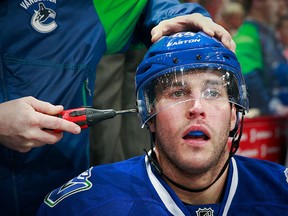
[(120, 19), (159, 10)]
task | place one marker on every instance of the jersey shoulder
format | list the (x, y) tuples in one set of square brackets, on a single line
[(261, 183), (262, 169), (113, 189)]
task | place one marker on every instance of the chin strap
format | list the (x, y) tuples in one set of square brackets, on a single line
[(154, 163)]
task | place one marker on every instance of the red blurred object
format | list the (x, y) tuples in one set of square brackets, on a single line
[(264, 138)]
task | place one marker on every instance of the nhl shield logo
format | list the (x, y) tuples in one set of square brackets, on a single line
[(205, 212)]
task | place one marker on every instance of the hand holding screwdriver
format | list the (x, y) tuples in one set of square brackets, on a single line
[(27, 122)]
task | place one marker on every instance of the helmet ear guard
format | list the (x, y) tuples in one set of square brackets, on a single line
[(233, 132)]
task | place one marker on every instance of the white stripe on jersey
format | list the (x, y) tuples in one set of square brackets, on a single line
[(164, 195), (169, 202), (233, 187)]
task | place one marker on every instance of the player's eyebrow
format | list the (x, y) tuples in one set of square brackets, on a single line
[(167, 82), (213, 82), (166, 85)]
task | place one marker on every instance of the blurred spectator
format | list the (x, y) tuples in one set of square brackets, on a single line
[(231, 16), (227, 13), (282, 27), (283, 9), (213, 7), (263, 65), (282, 34)]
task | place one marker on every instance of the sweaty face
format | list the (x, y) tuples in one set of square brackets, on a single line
[(193, 117)]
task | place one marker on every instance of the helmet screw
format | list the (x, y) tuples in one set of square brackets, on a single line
[(175, 60), (198, 57)]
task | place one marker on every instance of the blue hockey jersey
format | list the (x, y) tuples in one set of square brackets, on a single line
[(49, 50), (132, 187)]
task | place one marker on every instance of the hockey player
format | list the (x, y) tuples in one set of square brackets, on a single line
[(192, 97), (49, 51)]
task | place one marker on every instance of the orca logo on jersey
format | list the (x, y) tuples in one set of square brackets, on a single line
[(286, 174), (76, 185), (42, 14), (205, 212), (43, 19)]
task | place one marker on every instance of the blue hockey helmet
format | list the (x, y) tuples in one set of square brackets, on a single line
[(182, 53)]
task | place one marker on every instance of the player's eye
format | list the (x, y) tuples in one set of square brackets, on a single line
[(211, 94), (178, 94)]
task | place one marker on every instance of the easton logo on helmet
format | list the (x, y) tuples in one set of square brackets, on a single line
[(180, 42), (185, 41)]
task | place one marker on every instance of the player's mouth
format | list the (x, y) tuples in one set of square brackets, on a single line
[(196, 135)]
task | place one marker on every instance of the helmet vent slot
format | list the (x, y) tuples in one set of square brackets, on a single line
[(227, 57), (198, 57), (175, 60)]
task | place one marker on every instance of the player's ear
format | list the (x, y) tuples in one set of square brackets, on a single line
[(151, 124)]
